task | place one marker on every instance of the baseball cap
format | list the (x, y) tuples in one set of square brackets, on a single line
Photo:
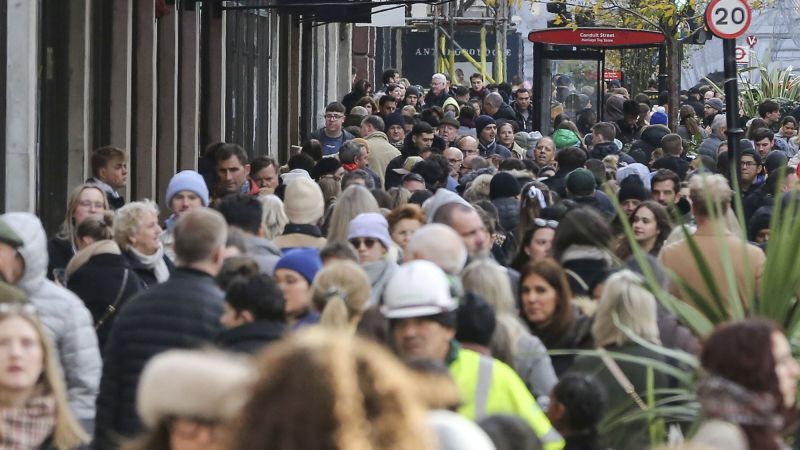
[(8, 236), (417, 289)]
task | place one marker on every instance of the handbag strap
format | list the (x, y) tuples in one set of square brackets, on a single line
[(622, 380), (113, 307)]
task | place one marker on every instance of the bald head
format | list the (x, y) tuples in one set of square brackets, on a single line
[(440, 245), (454, 159), (468, 146)]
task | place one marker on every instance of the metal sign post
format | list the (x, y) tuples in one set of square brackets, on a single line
[(729, 19)]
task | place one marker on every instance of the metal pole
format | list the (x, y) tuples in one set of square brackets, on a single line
[(452, 8), (483, 51), (435, 39), (503, 41), (732, 108)]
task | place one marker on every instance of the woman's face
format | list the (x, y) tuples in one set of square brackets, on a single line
[(91, 202), (540, 244), (402, 231), (368, 107), (786, 369), (369, 249), (21, 355), (296, 290), (145, 240), (788, 129), (539, 299), (644, 225), (506, 135)]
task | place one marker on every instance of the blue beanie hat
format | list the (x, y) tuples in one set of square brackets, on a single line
[(304, 261), (658, 118), (394, 118), (187, 180), (482, 122)]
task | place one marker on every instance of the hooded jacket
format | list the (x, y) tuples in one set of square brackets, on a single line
[(63, 315), (265, 253), (600, 151)]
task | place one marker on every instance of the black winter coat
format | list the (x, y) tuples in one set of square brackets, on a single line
[(147, 276), (251, 337), (182, 312), (98, 283), (59, 252)]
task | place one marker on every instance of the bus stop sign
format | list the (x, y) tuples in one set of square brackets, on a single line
[(728, 19)]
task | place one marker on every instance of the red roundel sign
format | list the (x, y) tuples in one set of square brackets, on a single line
[(728, 19)]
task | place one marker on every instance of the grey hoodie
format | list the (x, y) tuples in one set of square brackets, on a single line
[(64, 317)]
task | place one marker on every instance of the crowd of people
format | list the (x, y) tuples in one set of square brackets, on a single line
[(424, 274)]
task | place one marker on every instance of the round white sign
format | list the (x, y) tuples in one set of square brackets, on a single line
[(728, 19)]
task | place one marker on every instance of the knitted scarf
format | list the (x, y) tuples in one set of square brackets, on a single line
[(154, 262), (29, 426), (725, 400)]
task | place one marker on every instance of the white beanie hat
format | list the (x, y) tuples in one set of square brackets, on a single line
[(303, 202), (193, 384)]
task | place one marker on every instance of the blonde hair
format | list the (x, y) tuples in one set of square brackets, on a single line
[(330, 390), (490, 280), (340, 292), (356, 199), (478, 189), (624, 294), (713, 189), (67, 432), (67, 230), (272, 216), (129, 219)]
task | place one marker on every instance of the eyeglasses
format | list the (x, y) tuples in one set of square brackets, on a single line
[(89, 204), (545, 223), (750, 164), (333, 116), (368, 242)]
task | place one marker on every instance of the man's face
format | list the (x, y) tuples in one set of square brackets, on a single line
[(749, 169), (411, 99), (184, 201), (399, 93), (333, 121), (524, 100), (365, 129), (773, 117), (488, 109), (362, 160), (12, 266), (437, 86), (477, 84), (763, 147), (664, 192), (469, 147), (448, 132), (545, 152), (266, 178), (454, 159), (114, 173), (232, 174), (421, 338), (473, 232), (708, 111), (423, 142), (388, 107), (396, 133), (488, 133)]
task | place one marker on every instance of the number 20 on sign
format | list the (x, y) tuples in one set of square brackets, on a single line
[(728, 19)]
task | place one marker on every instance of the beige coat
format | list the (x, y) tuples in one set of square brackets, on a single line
[(678, 259), (380, 153)]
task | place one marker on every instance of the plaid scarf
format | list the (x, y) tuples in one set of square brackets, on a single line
[(723, 399), (29, 426)]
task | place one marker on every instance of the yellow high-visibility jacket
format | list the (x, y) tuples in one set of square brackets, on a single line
[(489, 386)]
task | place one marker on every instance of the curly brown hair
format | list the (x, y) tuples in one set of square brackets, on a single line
[(332, 391)]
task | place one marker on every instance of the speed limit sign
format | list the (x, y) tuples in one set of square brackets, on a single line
[(728, 19)]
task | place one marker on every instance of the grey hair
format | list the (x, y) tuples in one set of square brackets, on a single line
[(440, 245), (349, 151), (439, 77), (490, 280), (635, 307), (129, 219), (493, 99), (719, 122)]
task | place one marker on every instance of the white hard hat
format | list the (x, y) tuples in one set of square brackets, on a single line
[(417, 289)]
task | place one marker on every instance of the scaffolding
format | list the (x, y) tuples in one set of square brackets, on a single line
[(448, 17)]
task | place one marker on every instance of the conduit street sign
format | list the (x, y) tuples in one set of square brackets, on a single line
[(728, 19)]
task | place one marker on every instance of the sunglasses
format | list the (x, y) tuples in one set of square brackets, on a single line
[(368, 242), (545, 223)]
